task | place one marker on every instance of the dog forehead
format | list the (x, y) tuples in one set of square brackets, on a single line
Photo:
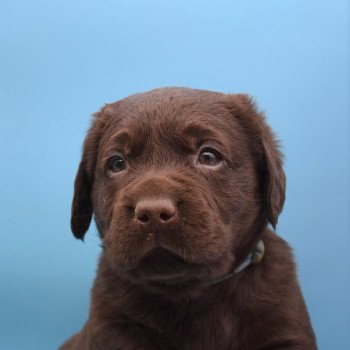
[(172, 94), (170, 109)]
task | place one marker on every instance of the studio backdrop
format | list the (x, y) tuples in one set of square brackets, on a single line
[(60, 61)]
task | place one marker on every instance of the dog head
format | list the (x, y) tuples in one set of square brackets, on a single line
[(181, 182)]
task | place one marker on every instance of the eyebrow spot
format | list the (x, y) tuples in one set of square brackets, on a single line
[(198, 130)]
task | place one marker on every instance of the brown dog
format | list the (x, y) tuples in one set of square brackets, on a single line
[(182, 184)]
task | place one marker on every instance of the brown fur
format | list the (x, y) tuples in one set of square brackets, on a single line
[(154, 288)]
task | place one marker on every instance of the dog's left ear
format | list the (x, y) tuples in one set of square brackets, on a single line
[(274, 180)]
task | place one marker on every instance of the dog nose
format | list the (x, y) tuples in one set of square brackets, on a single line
[(156, 211)]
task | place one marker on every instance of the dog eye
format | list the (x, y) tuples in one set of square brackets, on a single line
[(116, 164), (209, 157)]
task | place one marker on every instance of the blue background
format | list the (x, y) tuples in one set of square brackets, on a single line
[(61, 60)]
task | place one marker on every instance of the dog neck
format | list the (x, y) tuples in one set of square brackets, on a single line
[(253, 258)]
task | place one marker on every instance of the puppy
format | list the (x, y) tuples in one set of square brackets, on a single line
[(183, 185)]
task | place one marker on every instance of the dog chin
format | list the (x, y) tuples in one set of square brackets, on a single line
[(161, 265), (164, 272)]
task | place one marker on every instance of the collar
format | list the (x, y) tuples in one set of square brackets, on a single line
[(253, 258)]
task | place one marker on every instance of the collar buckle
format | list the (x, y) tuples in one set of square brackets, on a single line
[(254, 257)]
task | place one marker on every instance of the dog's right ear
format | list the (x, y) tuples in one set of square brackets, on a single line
[(82, 204), (82, 208)]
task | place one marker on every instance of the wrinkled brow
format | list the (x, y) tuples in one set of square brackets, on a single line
[(200, 133), (122, 141)]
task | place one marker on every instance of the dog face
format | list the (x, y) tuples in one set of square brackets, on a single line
[(180, 183)]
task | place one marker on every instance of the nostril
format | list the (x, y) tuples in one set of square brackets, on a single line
[(153, 211), (143, 218), (166, 216)]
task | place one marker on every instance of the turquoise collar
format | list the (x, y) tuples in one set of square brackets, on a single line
[(253, 258)]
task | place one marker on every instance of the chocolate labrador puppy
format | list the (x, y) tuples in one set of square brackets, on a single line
[(183, 185)]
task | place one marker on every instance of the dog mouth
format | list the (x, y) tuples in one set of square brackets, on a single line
[(162, 265)]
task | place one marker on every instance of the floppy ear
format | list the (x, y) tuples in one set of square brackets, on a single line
[(82, 207), (274, 181)]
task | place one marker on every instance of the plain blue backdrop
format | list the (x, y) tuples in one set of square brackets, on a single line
[(61, 60)]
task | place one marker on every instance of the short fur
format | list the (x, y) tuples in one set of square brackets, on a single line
[(155, 287)]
